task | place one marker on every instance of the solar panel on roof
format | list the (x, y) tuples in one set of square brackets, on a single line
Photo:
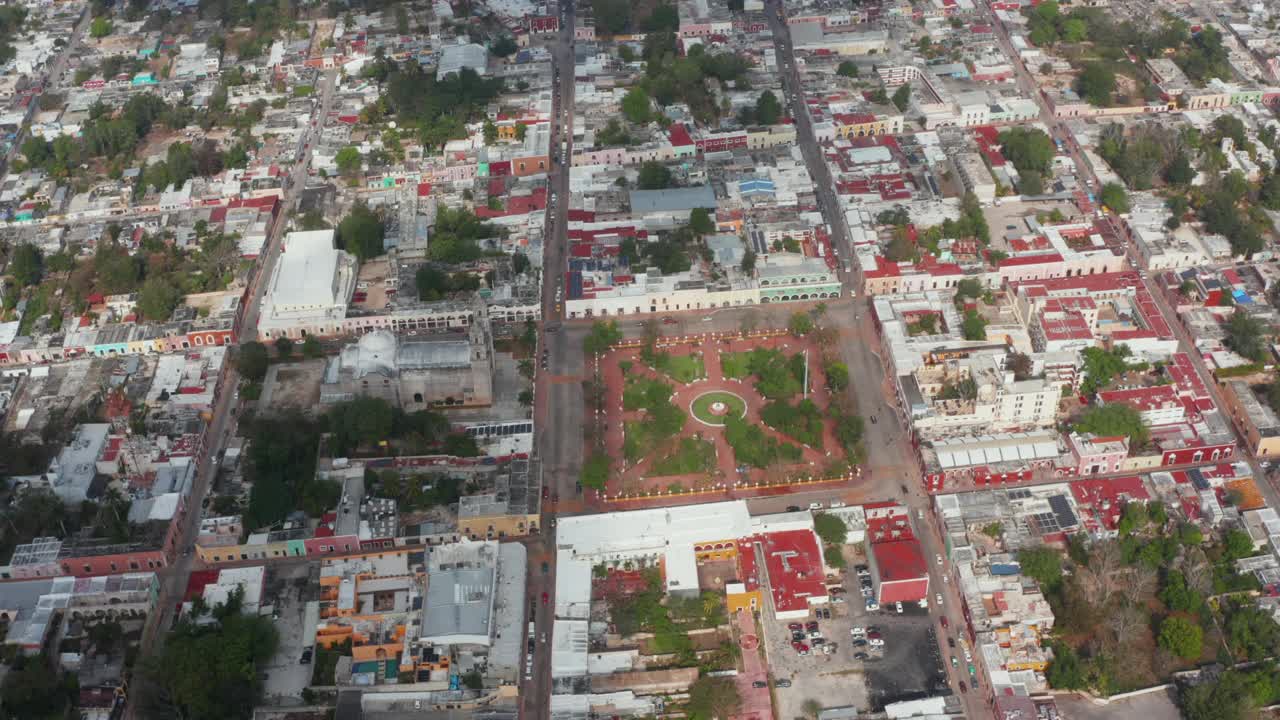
[(1062, 509)]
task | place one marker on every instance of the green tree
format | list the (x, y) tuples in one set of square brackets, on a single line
[(1042, 564), (490, 132), (504, 46), (902, 97), (311, 348), (1096, 83), (1027, 148), (713, 698), (1224, 698), (209, 672), (251, 361), (847, 69), (768, 108), (348, 161), (1236, 544), (1181, 637), (1114, 197), (830, 528), (974, 326), (701, 221), (837, 375), (33, 688), (364, 421), (284, 347), (654, 176), (158, 298), (1066, 672), (100, 27), (1112, 420), (603, 335), (27, 265), (1031, 183), (1246, 335), (636, 107), (800, 324), (361, 232), (1179, 171), (1177, 595)]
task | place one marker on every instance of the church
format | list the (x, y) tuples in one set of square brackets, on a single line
[(415, 373)]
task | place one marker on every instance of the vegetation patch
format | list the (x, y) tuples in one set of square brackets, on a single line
[(690, 456)]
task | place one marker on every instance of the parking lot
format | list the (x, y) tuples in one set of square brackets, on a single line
[(909, 663), (834, 680)]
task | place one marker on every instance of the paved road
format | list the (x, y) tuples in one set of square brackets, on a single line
[(824, 186), (557, 423), (174, 578)]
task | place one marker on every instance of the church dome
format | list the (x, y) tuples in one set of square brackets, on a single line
[(377, 353)]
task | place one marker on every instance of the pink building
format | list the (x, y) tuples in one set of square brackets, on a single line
[(1098, 455)]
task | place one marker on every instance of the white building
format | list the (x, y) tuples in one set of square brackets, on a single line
[(311, 287)]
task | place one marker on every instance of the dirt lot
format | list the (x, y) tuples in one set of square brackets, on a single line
[(292, 385)]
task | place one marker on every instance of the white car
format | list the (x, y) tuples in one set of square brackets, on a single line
[(898, 607), (857, 630), (815, 506), (968, 656), (875, 642), (938, 558), (938, 599)]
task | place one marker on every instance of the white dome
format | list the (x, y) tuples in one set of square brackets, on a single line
[(377, 353)]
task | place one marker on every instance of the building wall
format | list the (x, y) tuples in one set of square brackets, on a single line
[(497, 526)]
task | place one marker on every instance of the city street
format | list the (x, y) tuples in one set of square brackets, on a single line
[(173, 580)]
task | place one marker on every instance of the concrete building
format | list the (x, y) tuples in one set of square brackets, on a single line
[(414, 374), (459, 604), (310, 288), (975, 175)]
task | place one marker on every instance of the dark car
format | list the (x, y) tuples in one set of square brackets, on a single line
[(545, 568), (795, 626), (782, 683), (836, 590), (963, 687), (306, 656), (951, 642), (797, 636), (793, 508), (860, 656), (859, 643), (811, 626), (759, 684)]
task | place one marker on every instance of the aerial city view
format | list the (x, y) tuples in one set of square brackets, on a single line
[(611, 359)]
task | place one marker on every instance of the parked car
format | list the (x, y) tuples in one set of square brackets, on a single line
[(898, 606), (860, 656), (938, 599), (874, 634), (828, 649), (837, 590), (306, 655), (815, 635), (838, 600), (759, 684), (943, 620), (797, 636), (872, 605), (857, 630), (938, 558), (875, 642), (951, 642), (795, 626), (811, 625), (954, 662), (859, 642), (963, 688), (793, 508), (782, 683), (826, 614)]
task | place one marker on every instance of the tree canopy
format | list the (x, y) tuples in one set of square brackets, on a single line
[(1247, 336), (1096, 84), (1113, 196), (1112, 420), (654, 176), (213, 671), (1029, 149), (361, 233)]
